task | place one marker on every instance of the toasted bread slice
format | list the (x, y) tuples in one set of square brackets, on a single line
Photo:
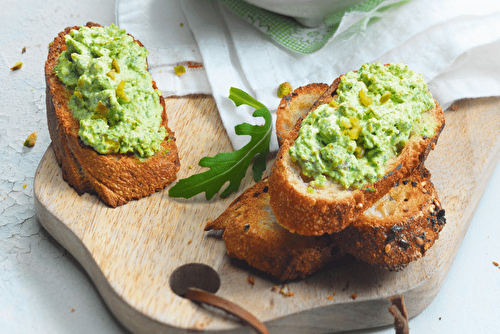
[(115, 178), (251, 233), (399, 228), (331, 208)]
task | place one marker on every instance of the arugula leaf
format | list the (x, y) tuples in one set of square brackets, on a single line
[(232, 166)]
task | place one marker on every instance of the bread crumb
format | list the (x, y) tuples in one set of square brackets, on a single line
[(354, 296), (72, 310), (496, 264), (333, 295), (285, 291), (194, 65), (251, 280)]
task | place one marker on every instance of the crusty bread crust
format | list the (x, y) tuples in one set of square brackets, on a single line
[(332, 208), (252, 234), (399, 228), (294, 106), (115, 178)]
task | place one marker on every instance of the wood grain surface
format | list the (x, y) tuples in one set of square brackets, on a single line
[(131, 252)]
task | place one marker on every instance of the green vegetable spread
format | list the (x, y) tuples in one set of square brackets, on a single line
[(350, 139), (112, 92)]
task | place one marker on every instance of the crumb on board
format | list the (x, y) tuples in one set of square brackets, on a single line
[(251, 280), (179, 70), (285, 291), (332, 295)]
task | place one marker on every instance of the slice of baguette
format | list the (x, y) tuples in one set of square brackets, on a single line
[(252, 234), (115, 178), (399, 228), (331, 208)]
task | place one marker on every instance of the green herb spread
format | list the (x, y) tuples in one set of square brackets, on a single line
[(112, 91), (350, 139)]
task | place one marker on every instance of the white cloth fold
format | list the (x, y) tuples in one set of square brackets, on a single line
[(455, 44), (162, 27)]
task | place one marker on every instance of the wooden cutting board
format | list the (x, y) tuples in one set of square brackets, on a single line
[(130, 252)]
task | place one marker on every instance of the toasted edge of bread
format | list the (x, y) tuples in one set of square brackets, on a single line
[(296, 105), (252, 234), (114, 178), (331, 208), (399, 228)]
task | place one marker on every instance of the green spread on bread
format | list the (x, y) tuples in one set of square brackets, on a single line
[(350, 139), (112, 93)]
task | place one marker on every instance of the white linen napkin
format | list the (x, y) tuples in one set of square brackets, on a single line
[(455, 44), (162, 27)]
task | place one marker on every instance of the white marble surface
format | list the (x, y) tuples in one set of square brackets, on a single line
[(44, 290)]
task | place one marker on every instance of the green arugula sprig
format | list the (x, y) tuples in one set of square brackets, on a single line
[(232, 166)]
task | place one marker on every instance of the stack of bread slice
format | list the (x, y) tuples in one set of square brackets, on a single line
[(281, 228)]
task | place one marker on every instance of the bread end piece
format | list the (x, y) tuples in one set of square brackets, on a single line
[(115, 178)]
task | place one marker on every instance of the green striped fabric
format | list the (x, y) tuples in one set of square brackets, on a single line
[(289, 33)]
